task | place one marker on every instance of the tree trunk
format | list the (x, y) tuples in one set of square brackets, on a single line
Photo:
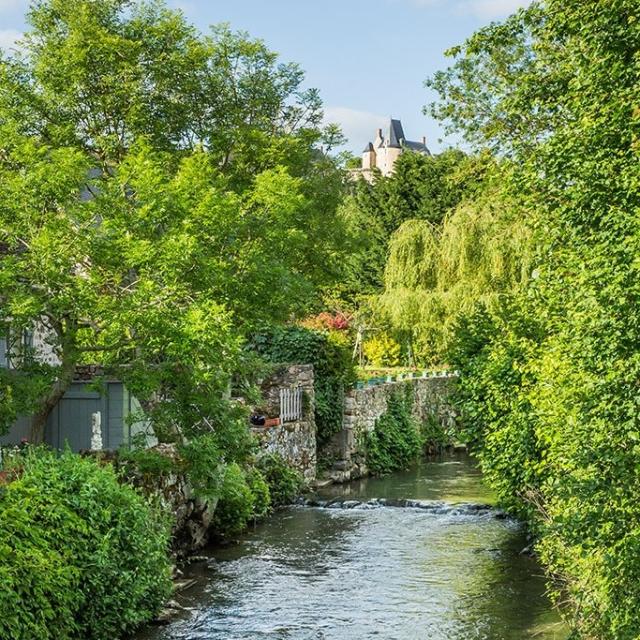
[(48, 402)]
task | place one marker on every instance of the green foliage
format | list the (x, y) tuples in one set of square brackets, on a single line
[(147, 461), (333, 367), (81, 555), (237, 505), (421, 187), (146, 230), (366, 255), (381, 350), (494, 351), (285, 483), (550, 377), (261, 492), (203, 463), (434, 436), (482, 251), (395, 441)]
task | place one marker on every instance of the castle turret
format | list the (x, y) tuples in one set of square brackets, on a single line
[(369, 157)]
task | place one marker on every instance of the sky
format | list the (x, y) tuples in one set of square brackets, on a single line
[(368, 58)]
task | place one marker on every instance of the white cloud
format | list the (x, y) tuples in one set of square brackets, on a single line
[(489, 9), (358, 126), (8, 38), (485, 9)]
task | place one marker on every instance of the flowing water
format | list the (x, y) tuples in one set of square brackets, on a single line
[(406, 557)]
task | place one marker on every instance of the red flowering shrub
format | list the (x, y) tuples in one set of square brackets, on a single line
[(332, 321)]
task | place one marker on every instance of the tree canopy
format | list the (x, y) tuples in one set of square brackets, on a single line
[(551, 376), (161, 193)]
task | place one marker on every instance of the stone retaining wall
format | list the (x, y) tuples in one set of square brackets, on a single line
[(363, 407), (171, 489), (295, 441)]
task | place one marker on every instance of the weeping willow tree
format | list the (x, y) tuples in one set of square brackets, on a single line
[(434, 274)]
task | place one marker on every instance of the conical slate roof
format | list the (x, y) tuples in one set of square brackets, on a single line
[(396, 133)]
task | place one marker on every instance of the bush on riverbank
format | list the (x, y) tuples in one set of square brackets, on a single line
[(285, 483), (244, 496), (81, 555), (550, 375), (242, 491), (248, 493), (395, 441)]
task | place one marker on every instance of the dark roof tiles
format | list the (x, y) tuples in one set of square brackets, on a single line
[(395, 138), (396, 133)]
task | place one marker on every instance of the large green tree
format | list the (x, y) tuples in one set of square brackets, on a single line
[(437, 273), (422, 188), (160, 193), (551, 380)]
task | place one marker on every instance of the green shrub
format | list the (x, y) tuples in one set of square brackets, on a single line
[(395, 441), (235, 507), (203, 466), (260, 491), (285, 483), (433, 435), (81, 555), (244, 496), (146, 461), (334, 370), (381, 350)]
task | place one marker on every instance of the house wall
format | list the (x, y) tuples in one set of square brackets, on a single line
[(390, 156), (70, 421), (368, 160)]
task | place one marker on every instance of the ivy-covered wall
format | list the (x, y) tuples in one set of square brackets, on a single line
[(432, 401)]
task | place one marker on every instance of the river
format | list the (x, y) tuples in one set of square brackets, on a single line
[(361, 567)]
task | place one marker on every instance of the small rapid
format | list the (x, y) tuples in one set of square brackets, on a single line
[(422, 554), (435, 507)]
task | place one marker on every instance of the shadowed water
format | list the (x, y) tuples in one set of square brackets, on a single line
[(354, 567)]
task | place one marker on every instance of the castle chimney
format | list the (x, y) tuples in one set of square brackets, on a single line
[(424, 140)]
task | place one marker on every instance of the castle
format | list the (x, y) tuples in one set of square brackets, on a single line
[(383, 152)]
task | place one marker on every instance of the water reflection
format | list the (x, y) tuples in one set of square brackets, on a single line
[(391, 573)]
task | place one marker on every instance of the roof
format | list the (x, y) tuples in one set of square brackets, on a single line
[(395, 138), (416, 146), (396, 133)]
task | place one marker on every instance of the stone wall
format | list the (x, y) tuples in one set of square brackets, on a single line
[(294, 441), (363, 407), (192, 515)]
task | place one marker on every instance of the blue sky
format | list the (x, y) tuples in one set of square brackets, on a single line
[(368, 58)]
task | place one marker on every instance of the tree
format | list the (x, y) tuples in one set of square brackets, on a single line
[(481, 252), (421, 187), (555, 88), (160, 192)]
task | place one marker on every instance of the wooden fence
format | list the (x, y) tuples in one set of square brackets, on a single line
[(290, 404)]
